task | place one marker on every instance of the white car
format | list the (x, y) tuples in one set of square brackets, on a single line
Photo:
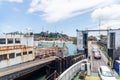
[(105, 73), (96, 55)]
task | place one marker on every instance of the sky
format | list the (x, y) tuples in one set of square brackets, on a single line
[(63, 16)]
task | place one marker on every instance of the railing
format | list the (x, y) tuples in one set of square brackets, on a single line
[(71, 71)]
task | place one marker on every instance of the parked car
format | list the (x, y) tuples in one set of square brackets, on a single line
[(105, 73)]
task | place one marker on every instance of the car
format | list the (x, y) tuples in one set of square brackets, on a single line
[(94, 48), (105, 73), (96, 54)]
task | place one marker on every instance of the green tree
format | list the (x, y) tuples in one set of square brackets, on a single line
[(75, 40)]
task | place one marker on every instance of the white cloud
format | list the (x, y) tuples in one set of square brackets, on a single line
[(109, 16), (18, 1), (111, 25), (107, 13), (55, 10)]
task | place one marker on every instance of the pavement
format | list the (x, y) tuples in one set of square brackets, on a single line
[(94, 76), (95, 64)]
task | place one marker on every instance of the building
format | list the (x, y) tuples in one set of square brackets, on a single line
[(113, 43), (16, 48), (82, 42)]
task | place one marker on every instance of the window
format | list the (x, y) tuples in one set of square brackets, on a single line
[(24, 53), (17, 40), (2, 41), (3, 57), (18, 54), (12, 55), (107, 73), (10, 41), (30, 52)]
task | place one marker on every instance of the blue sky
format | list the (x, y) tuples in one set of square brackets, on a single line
[(58, 15)]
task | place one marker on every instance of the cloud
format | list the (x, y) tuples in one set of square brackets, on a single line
[(17, 1), (109, 16), (107, 13), (55, 10), (111, 25)]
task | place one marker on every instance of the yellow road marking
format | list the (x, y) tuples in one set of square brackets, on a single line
[(92, 78)]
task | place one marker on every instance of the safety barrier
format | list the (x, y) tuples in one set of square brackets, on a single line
[(71, 71)]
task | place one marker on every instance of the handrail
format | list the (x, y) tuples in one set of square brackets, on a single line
[(71, 71)]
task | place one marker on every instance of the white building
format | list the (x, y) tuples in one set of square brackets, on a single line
[(113, 42), (15, 49), (114, 39)]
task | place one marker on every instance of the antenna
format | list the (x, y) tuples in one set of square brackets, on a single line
[(99, 25)]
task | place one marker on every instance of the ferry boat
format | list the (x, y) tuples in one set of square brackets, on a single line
[(16, 48)]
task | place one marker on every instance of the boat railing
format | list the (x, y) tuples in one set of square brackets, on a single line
[(71, 71)]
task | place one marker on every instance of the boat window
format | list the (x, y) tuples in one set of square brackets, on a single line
[(107, 73), (30, 52), (17, 40), (2, 41), (10, 41), (18, 54), (12, 55), (24, 53), (3, 57)]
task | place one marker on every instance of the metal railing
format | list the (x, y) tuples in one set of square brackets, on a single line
[(71, 71)]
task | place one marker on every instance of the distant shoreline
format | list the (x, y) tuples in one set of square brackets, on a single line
[(56, 41)]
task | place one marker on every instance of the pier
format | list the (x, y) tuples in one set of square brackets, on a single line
[(24, 68)]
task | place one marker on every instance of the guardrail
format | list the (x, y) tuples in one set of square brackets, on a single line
[(71, 71)]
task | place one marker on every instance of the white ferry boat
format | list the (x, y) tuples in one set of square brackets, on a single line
[(16, 48)]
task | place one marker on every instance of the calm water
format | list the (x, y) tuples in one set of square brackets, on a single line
[(71, 48)]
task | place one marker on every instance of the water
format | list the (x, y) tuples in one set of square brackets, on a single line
[(71, 47)]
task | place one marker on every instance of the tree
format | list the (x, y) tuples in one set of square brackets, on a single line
[(75, 40)]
